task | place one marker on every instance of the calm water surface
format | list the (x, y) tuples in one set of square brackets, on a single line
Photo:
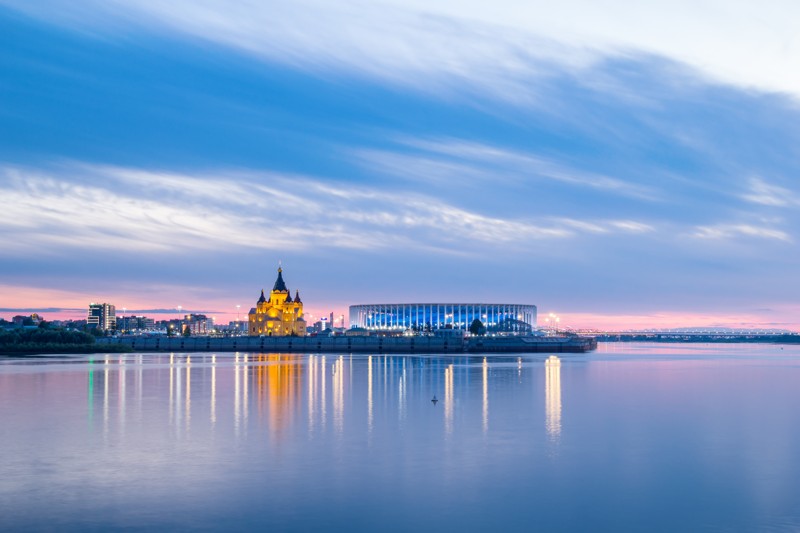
[(632, 437)]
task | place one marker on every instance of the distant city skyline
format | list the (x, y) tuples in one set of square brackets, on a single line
[(579, 157)]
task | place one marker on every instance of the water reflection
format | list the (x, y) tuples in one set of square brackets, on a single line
[(237, 408), (90, 392), (322, 394), (281, 388), (213, 389), (105, 397), (121, 394), (338, 394), (188, 392), (448, 399), (552, 392), (369, 394), (278, 389), (402, 392), (312, 388), (477, 460), (485, 417)]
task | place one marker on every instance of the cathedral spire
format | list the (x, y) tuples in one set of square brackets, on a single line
[(262, 299), (297, 297), (279, 283)]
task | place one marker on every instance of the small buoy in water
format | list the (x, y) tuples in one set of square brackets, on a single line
[(434, 400)]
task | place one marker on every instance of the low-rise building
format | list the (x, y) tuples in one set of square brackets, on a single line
[(196, 324)]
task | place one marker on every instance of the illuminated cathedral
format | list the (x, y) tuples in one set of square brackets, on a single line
[(280, 315)]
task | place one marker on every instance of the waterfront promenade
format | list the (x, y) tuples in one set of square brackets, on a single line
[(365, 344)]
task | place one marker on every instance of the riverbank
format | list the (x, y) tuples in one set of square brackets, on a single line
[(365, 344), (52, 341)]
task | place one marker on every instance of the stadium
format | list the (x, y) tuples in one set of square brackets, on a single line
[(510, 318)]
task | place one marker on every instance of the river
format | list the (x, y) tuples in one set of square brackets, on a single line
[(632, 437)]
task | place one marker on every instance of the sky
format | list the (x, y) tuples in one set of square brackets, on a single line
[(619, 163)]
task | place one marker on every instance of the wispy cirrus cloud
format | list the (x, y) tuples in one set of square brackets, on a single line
[(159, 212), (439, 45), (433, 53), (761, 192), (731, 231), (449, 158)]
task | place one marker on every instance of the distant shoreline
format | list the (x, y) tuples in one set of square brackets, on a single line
[(679, 338)]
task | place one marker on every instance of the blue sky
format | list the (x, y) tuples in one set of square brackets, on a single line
[(616, 165)]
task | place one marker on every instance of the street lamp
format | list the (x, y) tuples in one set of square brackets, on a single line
[(552, 321)]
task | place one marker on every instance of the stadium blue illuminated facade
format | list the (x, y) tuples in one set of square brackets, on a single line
[(513, 318)]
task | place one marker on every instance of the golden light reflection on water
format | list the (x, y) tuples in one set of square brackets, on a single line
[(552, 391), (278, 388)]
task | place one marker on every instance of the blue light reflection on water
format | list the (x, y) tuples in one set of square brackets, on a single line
[(632, 437)]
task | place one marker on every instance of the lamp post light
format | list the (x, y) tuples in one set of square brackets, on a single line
[(552, 321)]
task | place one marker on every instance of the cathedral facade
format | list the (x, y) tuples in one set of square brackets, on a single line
[(279, 315)]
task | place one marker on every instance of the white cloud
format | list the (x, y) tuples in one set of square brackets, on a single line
[(731, 231), (764, 193), (632, 226), (749, 44), (497, 46), (114, 208), (454, 161)]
